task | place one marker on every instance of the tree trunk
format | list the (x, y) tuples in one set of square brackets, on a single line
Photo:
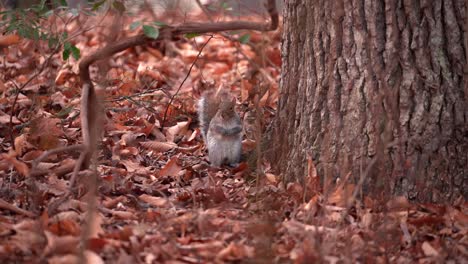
[(376, 88)]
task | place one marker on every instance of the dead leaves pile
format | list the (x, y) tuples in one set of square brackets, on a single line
[(158, 200)]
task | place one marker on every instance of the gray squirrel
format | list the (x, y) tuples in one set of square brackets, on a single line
[(221, 127)]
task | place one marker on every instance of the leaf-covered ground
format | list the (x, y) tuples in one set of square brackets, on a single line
[(158, 200)]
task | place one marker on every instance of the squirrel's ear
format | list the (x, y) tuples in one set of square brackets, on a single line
[(233, 100)]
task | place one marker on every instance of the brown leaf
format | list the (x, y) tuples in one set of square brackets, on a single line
[(132, 166), (125, 215), (67, 215), (248, 145), (398, 203), (158, 146), (45, 126), (32, 155), (90, 258), (153, 200), (271, 178), (129, 151), (22, 144), (130, 139), (5, 119), (63, 76), (171, 168), (366, 220), (60, 244), (342, 195), (3, 87), (65, 227), (235, 251), (295, 190), (312, 180), (428, 250), (179, 129), (59, 99), (20, 166), (7, 40)]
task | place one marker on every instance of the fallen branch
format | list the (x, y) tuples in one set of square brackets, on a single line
[(7, 206)]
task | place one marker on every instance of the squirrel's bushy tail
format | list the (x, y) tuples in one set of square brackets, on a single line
[(208, 106)]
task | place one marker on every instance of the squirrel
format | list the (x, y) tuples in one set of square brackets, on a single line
[(221, 127)]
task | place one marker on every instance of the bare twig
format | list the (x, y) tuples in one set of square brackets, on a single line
[(7, 206), (33, 171), (20, 89), (183, 81)]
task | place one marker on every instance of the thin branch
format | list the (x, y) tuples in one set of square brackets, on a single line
[(20, 89), (7, 206), (185, 79), (126, 97), (46, 154)]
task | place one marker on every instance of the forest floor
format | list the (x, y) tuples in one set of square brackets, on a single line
[(158, 200)]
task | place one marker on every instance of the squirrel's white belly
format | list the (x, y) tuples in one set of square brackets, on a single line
[(224, 150)]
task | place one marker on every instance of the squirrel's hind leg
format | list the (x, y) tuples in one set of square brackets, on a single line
[(235, 156)]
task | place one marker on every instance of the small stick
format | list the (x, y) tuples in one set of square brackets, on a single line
[(7, 206), (182, 83)]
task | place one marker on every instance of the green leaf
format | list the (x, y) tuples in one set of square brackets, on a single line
[(119, 6), (35, 34), (192, 35), (225, 6), (75, 52), (23, 32), (159, 23), (11, 28), (98, 4), (134, 25), (150, 31), (64, 35), (66, 54), (244, 38)]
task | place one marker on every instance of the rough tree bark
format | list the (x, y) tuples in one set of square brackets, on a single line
[(376, 82)]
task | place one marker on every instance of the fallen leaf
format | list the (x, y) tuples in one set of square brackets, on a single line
[(90, 258), (153, 200), (158, 146), (20, 166), (171, 168), (271, 178), (179, 129), (60, 244), (398, 203), (428, 250), (8, 40)]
